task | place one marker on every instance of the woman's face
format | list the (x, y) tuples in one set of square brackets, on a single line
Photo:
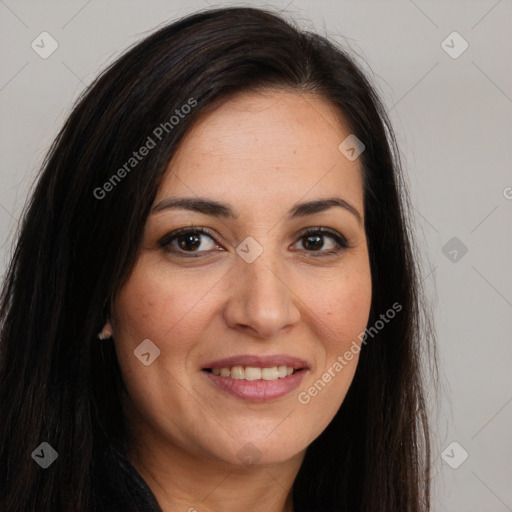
[(255, 291)]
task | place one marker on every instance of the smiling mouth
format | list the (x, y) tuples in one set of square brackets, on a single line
[(252, 373), (256, 383)]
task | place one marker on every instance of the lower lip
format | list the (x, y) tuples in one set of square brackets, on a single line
[(257, 390)]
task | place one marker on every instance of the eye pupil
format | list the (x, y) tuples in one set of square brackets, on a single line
[(314, 242), (183, 241)]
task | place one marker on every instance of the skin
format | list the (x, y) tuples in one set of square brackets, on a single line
[(260, 152)]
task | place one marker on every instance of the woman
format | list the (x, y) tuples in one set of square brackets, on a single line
[(213, 303)]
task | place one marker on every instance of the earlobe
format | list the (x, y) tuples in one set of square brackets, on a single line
[(106, 332)]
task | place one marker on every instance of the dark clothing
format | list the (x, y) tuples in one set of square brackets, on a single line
[(120, 488)]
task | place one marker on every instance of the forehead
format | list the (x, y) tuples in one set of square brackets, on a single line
[(271, 145)]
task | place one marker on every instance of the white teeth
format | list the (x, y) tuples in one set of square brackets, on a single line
[(282, 372), (237, 372), (269, 373), (254, 373)]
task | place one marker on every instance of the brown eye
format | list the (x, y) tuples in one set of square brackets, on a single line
[(314, 241), (192, 241), (189, 242)]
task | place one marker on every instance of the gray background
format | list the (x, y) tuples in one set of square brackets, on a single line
[(452, 117)]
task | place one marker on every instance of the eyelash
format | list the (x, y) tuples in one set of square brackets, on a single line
[(341, 242)]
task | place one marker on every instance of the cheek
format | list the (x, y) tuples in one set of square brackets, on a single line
[(157, 305), (151, 306), (341, 305), (154, 304), (342, 310)]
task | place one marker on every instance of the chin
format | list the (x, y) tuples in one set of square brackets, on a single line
[(259, 452)]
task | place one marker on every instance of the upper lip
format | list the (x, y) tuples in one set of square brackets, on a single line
[(258, 361)]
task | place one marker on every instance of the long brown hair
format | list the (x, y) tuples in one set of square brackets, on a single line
[(77, 245)]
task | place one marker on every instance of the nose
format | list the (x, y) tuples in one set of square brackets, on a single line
[(261, 300)]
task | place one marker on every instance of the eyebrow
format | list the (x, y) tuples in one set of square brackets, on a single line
[(217, 209)]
